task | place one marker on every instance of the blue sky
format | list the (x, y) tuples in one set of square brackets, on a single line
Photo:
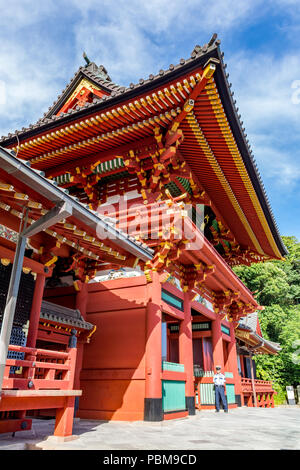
[(41, 45)]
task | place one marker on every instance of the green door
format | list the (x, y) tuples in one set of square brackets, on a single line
[(173, 395), (230, 392)]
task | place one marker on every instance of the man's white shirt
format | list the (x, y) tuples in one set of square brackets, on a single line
[(219, 379)]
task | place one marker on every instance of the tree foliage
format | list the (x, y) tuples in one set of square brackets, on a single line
[(276, 286), (268, 281)]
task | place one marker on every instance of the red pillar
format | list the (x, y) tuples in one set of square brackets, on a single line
[(232, 362), (242, 365), (186, 353), (35, 310), (153, 388), (81, 299), (80, 304), (217, 343)]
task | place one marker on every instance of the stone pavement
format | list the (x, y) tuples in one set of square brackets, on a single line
[(240, 429)]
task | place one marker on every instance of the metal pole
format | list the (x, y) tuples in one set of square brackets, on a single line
[(9, 311), (253, 381)]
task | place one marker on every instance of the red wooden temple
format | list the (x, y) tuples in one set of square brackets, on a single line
[(166, 199)]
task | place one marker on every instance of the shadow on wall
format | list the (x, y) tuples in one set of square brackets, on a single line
[(113, 370)]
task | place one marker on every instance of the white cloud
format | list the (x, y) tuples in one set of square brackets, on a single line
[(265, 85), (121, 47), (31, 67), (264, 96), (277, 165), (28, 85), (131, 38), (136, 38), (17, 14), (158, 16)]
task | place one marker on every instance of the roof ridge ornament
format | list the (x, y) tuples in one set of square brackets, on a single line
[(212, 40), (99, 71), (200, 49), (86, 58)]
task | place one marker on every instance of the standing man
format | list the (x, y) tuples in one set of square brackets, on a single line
[(219, 381)]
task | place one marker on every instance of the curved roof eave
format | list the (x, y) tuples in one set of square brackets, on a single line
[(197, 59)]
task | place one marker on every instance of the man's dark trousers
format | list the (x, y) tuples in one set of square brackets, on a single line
[(220, 395)]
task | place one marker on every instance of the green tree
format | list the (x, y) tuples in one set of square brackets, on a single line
[(276, 286), (268, 282)]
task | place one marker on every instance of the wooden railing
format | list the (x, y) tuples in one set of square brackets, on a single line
[(39, 379), (40, 369), (260, 385), (263, 391)]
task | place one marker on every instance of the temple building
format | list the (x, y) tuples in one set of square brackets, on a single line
[(163, 198)]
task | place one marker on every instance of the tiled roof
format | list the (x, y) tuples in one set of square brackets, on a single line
[(92, 72), (198, 57), (60, 314), (249, 323), (115, 90)]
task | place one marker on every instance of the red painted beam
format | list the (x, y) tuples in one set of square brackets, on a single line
[(14, 425), (172, 375), (203, 310), (172, 311), (102, 157), (28, 263), (175, 415), (31, 403)]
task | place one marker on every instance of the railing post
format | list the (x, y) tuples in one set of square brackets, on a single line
[(72, 351), (29, 372), (64, 416), (250, 401), (267, 401), (6, 374)]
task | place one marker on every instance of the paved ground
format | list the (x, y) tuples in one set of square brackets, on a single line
[(242, 428)]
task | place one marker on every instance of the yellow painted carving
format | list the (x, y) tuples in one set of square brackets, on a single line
[(79, 89)]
